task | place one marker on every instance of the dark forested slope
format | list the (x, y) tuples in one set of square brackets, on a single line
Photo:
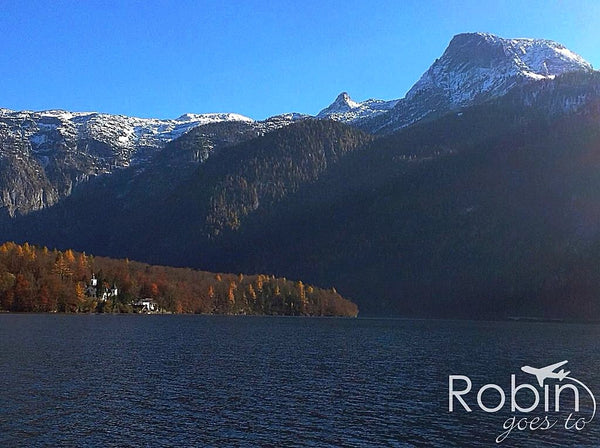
[(491, 212)]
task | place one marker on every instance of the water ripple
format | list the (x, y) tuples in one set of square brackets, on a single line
[(115, 381)]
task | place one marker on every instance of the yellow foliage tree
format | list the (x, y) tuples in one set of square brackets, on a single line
[(231, 294), (259, 282), (251, 292), (301, 292), (69, 256), (80, 291), (61, 268)]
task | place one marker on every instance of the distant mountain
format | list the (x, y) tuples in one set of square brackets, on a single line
[(44, 155), (113, 140), (475, 68)]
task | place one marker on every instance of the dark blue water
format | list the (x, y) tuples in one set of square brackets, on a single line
[(102, 380)]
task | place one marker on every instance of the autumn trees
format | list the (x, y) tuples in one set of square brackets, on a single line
[(36, 279)]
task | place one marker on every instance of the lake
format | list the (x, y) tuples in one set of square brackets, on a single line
[(177, 380)]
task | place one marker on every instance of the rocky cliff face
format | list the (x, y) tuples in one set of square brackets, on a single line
[(44, 155)]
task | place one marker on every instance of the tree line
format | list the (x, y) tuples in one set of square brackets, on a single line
[(36, 279)]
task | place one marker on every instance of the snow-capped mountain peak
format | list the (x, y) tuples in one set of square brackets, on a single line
[(476, 66), (349, 111), (344, 103)]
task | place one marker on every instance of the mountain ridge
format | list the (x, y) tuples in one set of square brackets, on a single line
[(60, 150), (422, 222), (475, 67), (480, 187)]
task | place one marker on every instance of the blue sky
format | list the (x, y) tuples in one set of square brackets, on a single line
[(258, 58)]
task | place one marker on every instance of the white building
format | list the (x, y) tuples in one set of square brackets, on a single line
[(108, 293), (146, 305)]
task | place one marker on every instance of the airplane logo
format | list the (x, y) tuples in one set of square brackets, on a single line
[(547, 372)]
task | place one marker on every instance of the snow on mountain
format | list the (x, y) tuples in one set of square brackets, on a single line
[(474, 68), (481, 65), (44, 155), (129, 137), (348, 111), (212, 118)]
